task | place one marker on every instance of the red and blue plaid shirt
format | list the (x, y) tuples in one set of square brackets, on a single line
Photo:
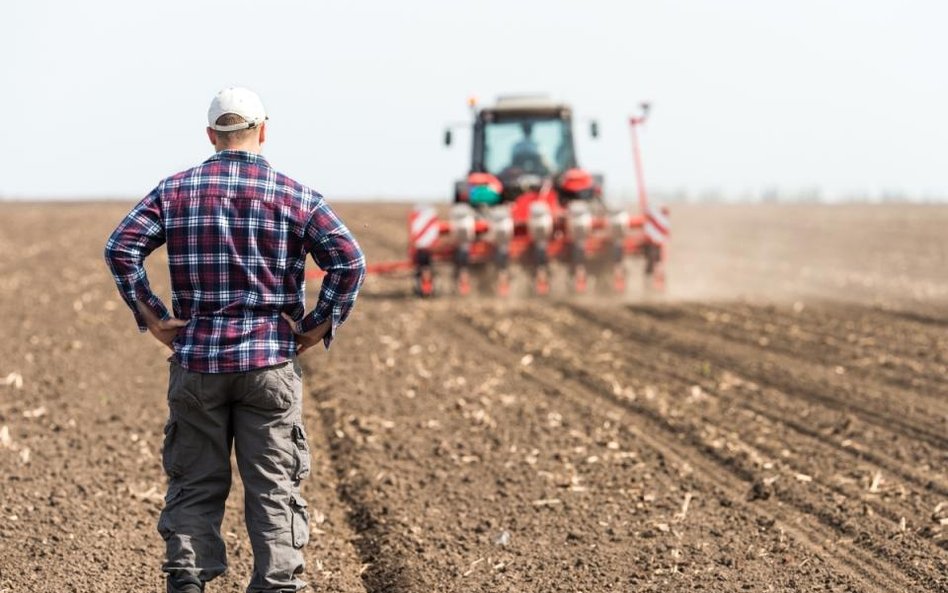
[(237, 234)]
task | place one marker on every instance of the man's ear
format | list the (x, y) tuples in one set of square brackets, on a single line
[(263, 133), (212, 135)]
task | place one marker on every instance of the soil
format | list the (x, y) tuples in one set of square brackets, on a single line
[(777, 422)]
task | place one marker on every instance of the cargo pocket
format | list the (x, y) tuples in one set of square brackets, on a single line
[(299, 525), (301, 452), (168, 449)]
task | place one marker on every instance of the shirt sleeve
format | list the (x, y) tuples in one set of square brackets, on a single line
[(337, 253), (140, 232)]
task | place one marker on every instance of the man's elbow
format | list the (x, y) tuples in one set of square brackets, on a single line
[(113, 253), (119, 258), (357, 258), (360, 266), (355, 273), (110, 254)]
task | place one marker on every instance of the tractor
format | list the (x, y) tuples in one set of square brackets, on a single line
[(526, 207), (527, 203)]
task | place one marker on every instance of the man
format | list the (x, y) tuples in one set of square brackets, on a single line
[(526, 146), (526, 155), (237, 234)]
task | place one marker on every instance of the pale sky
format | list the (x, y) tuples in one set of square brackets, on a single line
[(103, 98)]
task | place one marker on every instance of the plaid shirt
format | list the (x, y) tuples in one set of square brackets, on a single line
[(237, 234)]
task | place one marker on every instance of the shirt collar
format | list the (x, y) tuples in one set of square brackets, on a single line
[(240, 156)]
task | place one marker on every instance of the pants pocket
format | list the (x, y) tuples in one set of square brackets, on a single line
[(272, 388), (301, 453), (299, 524), (183, 387)]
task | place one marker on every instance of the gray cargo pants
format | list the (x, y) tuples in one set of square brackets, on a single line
[(260, 413)]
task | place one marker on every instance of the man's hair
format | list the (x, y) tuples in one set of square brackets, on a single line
[(237, 136)]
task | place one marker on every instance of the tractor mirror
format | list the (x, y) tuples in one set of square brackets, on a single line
[(447, 137), (594, 129)]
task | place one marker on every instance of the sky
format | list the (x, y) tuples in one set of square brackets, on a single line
[(104, 98)]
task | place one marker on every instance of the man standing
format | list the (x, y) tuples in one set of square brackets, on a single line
[(237, 234)]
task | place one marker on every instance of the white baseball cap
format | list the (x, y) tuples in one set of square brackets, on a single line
[(239, 101)]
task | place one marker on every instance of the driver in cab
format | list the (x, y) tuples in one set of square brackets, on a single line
[(525, 156)]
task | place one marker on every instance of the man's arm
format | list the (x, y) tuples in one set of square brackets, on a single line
[(337, 253), (139, 233)]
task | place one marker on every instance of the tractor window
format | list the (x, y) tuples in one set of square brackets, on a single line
[(536, 146)]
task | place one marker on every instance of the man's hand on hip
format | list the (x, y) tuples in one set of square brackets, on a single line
[(164, 330), (306, 340)]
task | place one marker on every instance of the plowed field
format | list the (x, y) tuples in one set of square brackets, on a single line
[(777, 422)]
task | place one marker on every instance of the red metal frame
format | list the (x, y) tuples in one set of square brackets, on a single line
[(557, 248)]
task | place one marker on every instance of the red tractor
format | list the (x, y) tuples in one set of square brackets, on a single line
[(526, 202), (527, 205)]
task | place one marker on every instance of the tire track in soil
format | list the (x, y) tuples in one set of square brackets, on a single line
[(930, 489), (857, 561), (801, 335), (333, 558), (830, 319), (783, 412), (783, 373), (380, 238), (379, 572), (919, 318), (552, 386), (675, 368), (814, 457)]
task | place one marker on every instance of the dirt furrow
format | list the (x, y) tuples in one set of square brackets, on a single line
[(721, 469), (594, 381), (918, 418), (808, 456), (846, 435), (379, 571), (720, 412), (829, 321), (857, 347)]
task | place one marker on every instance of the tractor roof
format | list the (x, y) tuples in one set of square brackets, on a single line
[(540, 104)]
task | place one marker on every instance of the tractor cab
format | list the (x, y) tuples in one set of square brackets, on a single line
[(523, 137), (527, 217), (519, 144), (526, 202)]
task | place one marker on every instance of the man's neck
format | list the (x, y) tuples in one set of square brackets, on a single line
[(254, 148)]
